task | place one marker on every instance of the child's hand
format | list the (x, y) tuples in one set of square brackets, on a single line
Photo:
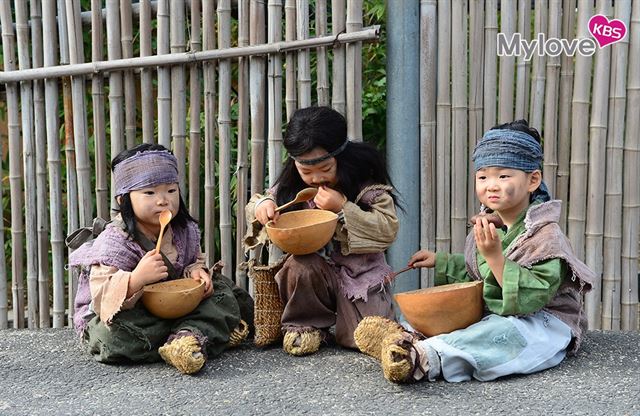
[(150, 269), (487, 238), (329, 199), (202, 276), (266, 211), (423, 258)]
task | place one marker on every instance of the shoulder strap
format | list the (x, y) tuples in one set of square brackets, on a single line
[(148, 246)]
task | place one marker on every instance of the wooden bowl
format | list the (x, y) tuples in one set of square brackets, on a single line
[(173, 298), (442, 309), (302, 232)]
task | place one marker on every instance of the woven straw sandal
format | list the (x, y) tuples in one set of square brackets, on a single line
[(238, 335), (371, 331), (183, 353), (302, 342), (397, 364)]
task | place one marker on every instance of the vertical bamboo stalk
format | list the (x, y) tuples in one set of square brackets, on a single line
[(257, 67), (443, 130), (126, 39), (354, 73), (507, 63), (164, 76), (565, 110), (15, 169), (291, 100), (194, 115), (224, 123), (178, 91), (146, 85), (116, 98), (304, 56), (210, 130), (612, 241), (338, 78), (274, 93), (99, 128), (322, 87), (523, 66), (476, 77), (42, 225), (428, 95), (243, 136), (490, 64), (459, 134), (55, 170), (551, 102), (28, 160), (597, 165), (538, 76), (579, 130), (631, 191)]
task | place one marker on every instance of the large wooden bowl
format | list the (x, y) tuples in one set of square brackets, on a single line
[(302, 232), (174, 298), (442, 309)]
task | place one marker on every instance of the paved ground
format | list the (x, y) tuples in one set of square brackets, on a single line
[(46, 372)]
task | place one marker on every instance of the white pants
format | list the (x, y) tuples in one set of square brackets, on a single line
[(497, 346)]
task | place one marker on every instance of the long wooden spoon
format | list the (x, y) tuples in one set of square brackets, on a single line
[(165, 218), (302, 196)]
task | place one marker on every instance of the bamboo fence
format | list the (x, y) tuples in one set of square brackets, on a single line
[(177, 73)]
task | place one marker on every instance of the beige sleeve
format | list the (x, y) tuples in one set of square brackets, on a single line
[(368, 231), (256, 234), (198, 264), (109, 287)]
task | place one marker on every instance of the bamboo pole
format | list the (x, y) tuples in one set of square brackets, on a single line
[(551, 101), (42, 224), (116, 98), (224, 123), (476, 78), (459, 135), (210, 131), (55, 169), (243, 137), (579, 130), (354, 73), (612, 241), (28, 160), (338, 77), (291, 100), (631, 191), (99, 127), (428, 95), (304, 57), (443, 130), (178, 91), (257, 68), (146, 85), (164, 76), (490, 64), (194, 114), (597, 165), (126, 40), (523, 66), (538, 77), (322, 87), (565, 111), (15, 171), (274, 119), (507, 63)]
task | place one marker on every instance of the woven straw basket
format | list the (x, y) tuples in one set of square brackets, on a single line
[(268, 305)]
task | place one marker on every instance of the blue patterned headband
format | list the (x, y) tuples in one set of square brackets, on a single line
[(145, 169), (511, 149), (323, 157)]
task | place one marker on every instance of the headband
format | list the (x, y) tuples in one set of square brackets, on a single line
[(323, 157), (145, 169)]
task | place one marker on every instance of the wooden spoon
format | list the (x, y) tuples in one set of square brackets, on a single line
[(302, 196), (165, 218), (391, 277)]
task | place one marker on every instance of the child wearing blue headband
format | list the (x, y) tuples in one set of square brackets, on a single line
[(109, 314), (533, 283)]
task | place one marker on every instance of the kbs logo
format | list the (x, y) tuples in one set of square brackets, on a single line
[(605, 31)]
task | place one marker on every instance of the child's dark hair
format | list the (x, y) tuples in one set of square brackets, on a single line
[(126, 209), (519, 125), (358, 165)]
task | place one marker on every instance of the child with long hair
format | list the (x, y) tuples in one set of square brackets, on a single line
[(345, 281), (533, 283), (122, 259)]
